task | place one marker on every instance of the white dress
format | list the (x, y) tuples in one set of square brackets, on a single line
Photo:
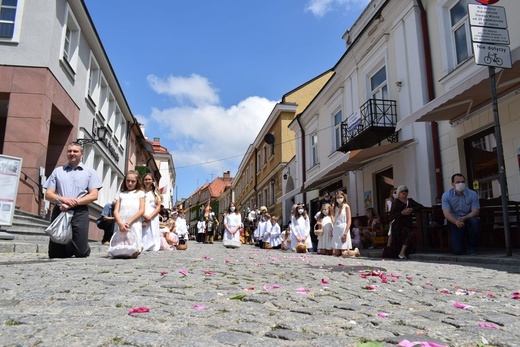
[(233, 222), (325, 240), (340, 224), (129, 202), (151, 234), (274, 236), (300, 227)]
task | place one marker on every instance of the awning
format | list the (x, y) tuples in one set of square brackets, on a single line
[(467, 97), (353, 160), (289, 195)]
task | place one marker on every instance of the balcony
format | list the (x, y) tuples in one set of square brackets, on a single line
[(376, 123)]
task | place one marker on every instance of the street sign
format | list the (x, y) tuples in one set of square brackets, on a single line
[(492, 55), (487, 16), (488, 2), (490, 35)]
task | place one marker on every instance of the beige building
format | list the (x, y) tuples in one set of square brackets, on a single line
[(259, 178)]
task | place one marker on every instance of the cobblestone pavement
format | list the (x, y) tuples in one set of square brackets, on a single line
[(212, 296)]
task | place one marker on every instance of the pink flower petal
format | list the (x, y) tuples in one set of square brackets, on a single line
[(382, 314), (227, 261), (276, 286), (163, 273), (199, 307), (487, 325), (139, 310), (370, 287), (267, 288), (207, 272), (409, 278), (324, 281), (461, 305), (184, 272), (406, 343)]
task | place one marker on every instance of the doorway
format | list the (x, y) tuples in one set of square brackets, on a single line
[(384, 187)]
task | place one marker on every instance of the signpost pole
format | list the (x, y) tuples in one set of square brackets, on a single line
[(501, 165)]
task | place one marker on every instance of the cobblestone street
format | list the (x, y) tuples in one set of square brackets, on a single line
[(212, 296)]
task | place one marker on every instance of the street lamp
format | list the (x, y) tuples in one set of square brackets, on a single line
[(101, 133)]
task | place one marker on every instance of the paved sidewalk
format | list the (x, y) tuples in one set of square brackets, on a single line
[(212, 296)]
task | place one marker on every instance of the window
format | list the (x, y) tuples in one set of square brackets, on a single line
[(272, 191), (314, 149), (71, 42), (482, 164), (378, 86), (93, 80), (338, 118), (272, 149), (265, 154), (460, 31), (7, 18), (258, 157), (265, 196)]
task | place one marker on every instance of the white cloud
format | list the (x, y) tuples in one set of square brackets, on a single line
[(321, 7), (196, 89), (206, 132)]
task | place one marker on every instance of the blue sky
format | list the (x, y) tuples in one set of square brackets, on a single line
[(204, 75)]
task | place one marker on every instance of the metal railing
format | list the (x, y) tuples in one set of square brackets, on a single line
[(378, 113)]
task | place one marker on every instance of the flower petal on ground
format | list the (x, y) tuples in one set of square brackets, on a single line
[(382, 314), (267, 288), (183, 272), (199, 307), (139, 310), (163, 273), (487, 325), (461, 305), (207, 272), (324, 281)]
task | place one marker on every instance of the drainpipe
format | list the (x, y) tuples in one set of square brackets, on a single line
[(431, 95), (304, 174)]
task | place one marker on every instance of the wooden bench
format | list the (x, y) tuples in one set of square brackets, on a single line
[(492, 223)]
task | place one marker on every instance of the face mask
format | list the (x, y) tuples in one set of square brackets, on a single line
[(300, 211), (325, 212), (394, 195), (339, 200), (460, 186), (232, 208)]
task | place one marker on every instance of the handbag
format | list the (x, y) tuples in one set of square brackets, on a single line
[(60, 230)]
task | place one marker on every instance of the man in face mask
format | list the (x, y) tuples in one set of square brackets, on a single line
[(461, 208)]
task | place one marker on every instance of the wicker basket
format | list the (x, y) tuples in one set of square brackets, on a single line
[(301, 248), (183, 245), (318, 229)]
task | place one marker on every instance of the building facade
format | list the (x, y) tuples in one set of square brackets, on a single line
[(57, 86)]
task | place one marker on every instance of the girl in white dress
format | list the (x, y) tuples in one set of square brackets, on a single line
[(274, 234), (300, 228), (128, 211), (341, 240), (325, 220), (232, 223), (151, 232)]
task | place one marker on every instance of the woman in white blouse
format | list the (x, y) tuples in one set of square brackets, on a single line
[(300, 228)]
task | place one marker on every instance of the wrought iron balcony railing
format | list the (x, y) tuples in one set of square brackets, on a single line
[(377, 122)]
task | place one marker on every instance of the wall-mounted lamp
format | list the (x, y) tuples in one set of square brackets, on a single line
[(399, 84), (101, 133), (272, 181), (287, 173)]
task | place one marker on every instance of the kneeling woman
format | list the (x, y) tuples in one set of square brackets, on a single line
[(402, 238)]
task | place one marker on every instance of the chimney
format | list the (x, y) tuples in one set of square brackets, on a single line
[(227, 175)]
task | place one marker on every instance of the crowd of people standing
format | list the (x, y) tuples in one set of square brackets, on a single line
[(136, 221)]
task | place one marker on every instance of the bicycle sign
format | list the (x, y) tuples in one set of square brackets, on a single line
[(492, 55)]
